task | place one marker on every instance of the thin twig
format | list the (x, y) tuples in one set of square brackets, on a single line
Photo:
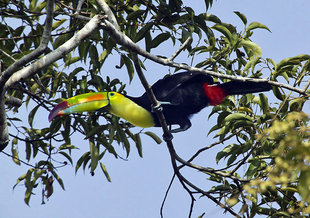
[(306, 86), (9, 155), (245, 158), (188, 40), (166, 195), (212, 145), (209, 170)]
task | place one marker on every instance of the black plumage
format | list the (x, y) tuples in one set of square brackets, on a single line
[(184, 94)]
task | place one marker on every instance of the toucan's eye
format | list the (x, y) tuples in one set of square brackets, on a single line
[(112, 94)]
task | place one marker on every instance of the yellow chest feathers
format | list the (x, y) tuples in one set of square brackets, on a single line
[(125, 108)]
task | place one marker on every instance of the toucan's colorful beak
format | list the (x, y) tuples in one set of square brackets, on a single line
[(80, 103)]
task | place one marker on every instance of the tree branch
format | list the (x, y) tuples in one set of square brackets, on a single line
[(106, 9), (5, 76), (37, 52), (168, 139), (125, 41), (184, 45), (60, 52), (10, 76)]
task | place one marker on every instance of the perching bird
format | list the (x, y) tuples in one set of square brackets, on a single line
[(181, 95)]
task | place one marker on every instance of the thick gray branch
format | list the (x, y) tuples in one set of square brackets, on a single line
[(5, 76), (31, 69), (37, 52), (57, 54), (106, 9), (4, 134)]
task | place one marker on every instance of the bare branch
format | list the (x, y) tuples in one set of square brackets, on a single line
[(106, 9), (212, 145), (79, 6), (184, 45), (306, 86), (166, 195)]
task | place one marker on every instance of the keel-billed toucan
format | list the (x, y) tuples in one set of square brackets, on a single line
[(181, 95)]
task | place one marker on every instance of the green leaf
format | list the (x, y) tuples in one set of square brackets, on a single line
[(292, 61), (264, 103), (255, 25), (58, 23), (237, 116), (33, 4), (251, 64), (277, 93), (21, 178), (105, 172), (225, 31), (103, 56), (60, 40), (129, 66), (32, 114), (253, 50), (59, 180), (40, 6), (159, 39), (155, 137), (96, 130), (141, 34), (28, 151), (135, 14), (242, 17), (81, 160), (210, 17), (15, 156), (66, 156), (138, 144), (94, 156), (208, 4), (225, 152)]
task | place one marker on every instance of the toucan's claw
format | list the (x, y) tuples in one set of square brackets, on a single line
[(182, 128), (158, 107)]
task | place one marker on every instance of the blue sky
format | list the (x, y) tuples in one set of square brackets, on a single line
[(138, 185)]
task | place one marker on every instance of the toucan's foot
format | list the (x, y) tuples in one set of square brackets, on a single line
[(182, 128), (157, 107)]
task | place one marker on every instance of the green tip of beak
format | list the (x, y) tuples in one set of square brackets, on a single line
[(80, 103)]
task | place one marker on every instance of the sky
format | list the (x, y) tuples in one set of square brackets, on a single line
[(139, 184)]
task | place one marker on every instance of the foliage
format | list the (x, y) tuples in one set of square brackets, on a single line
[(272, 133), (288, 172)]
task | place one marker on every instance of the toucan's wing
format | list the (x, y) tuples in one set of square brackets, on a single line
[(180, 87)]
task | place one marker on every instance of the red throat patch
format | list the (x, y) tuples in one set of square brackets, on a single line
[(214, 93)]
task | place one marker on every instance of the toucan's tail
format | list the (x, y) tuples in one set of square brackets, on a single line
[(217, 92), (240, 88)]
